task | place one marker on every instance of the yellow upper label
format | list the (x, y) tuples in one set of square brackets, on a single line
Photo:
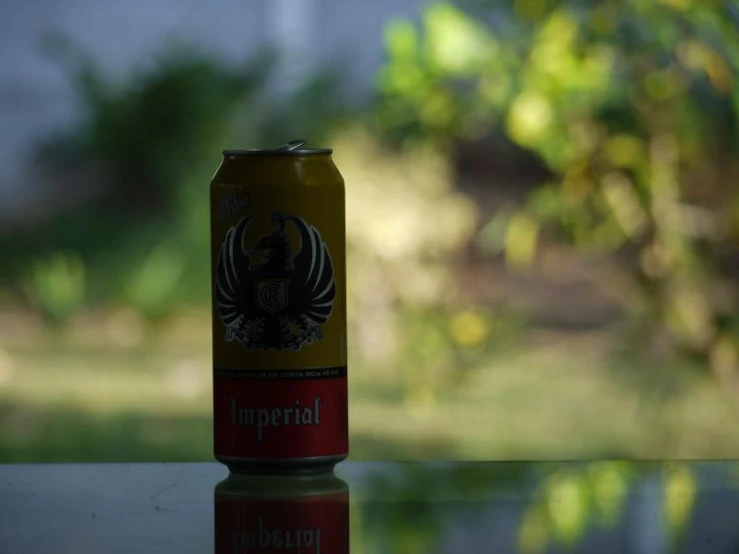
[(278, 258)]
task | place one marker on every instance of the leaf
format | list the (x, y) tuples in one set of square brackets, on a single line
[(530, 118), (56, 286), (624, 203), (521, 239), (609, 484), (568, 507), (679, 497), (456, 45), (401, 41)]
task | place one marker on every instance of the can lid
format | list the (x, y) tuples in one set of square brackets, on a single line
[(292, 148)]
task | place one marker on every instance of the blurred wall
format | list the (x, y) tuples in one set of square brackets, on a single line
[(34, 98)]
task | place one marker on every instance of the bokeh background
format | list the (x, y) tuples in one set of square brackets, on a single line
[(543, 219)]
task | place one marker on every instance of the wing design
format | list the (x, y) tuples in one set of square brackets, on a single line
[(313, 287), (231, 278)]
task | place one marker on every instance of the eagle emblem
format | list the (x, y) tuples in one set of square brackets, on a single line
[(275, 295)]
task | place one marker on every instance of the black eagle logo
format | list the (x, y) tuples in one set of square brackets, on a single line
[(274, 296)]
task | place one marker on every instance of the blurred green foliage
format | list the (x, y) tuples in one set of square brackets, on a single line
[(407, 228), (55, 285), (570, 500), (154, 127), (140, 157), (633, 106), (138, 161), (556, 504), (152, 287)]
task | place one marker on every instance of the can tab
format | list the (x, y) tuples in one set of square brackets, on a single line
[(292, 148), (293, 144)]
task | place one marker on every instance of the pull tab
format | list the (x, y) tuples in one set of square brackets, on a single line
[(293, 144)]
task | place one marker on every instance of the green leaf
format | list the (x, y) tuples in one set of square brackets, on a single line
[(401, 41), (521, 239), (456, 45)]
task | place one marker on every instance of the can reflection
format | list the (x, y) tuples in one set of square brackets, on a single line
[(276, 513)]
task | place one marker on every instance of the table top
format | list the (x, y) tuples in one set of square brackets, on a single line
[(648, 507)]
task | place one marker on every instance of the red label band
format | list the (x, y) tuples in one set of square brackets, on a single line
[(280, 414), (309, 525)]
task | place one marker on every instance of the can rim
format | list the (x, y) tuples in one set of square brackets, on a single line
[(292, 148), (279, 152), (281, 486)]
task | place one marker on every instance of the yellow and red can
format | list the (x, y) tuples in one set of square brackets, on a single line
[(279, 310)]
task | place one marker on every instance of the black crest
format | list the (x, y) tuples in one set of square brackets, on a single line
[(276, 294)]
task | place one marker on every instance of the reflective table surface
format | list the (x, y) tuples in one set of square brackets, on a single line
[(604, 507)]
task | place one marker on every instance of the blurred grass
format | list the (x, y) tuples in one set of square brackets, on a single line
[(86, 394)]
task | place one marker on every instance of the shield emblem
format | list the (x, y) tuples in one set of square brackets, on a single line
[(271, 294)]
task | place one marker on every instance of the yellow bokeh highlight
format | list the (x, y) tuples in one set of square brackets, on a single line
[(680, 493), (456, 43), (568, 507), (520, 240), (609, 487), (628, 212), (469, 329), (530, 118)]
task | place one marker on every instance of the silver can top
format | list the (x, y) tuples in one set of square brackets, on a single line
[(292, 148)]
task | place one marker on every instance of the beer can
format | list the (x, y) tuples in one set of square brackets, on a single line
[(306, 514), (279, 311)]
